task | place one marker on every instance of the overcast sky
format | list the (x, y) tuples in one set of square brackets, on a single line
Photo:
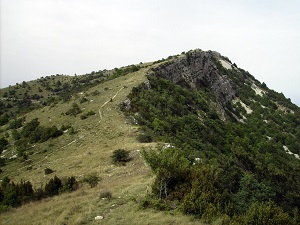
[(44, 37)]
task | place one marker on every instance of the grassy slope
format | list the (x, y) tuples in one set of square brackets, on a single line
[(33, 86), (87, 151)]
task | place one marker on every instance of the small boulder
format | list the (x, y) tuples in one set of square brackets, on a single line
[(99, 217)]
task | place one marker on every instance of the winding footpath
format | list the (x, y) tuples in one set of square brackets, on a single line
[(100, 113)]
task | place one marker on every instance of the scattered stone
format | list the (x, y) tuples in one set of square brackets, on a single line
[(127, 104), (99, 217), (14, 156)]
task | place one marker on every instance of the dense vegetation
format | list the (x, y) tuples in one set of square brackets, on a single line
[(236, 171), (15, 194)]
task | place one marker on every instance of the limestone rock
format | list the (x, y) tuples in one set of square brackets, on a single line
[(198, 69)]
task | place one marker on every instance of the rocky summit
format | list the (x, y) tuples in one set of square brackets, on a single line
[(198, 70)]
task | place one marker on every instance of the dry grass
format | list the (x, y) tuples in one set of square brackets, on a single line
[(90, 148), (88, 151), (82, 206)]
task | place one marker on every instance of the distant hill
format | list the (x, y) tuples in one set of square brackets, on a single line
[(188, 139)]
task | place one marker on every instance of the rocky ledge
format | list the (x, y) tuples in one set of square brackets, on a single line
[(198, 69)]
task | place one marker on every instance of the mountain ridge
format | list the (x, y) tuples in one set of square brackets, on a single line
[(218, 118)]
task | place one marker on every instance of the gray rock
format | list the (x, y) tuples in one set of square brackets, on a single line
[(127, 104), (197, 69)]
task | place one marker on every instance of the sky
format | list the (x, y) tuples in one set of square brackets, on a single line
[(45, 37)]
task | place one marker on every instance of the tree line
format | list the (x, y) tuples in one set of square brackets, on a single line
[(16, 194)]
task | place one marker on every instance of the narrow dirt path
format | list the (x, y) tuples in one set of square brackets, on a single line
[(75, 140), (100, 113)]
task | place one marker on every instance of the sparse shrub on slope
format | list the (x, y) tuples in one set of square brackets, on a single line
[(83, 100), (16, 123), (74, 110), (106, 194), (48, 171), (3, 144), (86, 115), (33, 132), (120, 156), (92, 179), (70, 184)]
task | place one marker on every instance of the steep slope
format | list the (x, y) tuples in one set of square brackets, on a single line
[(242, 135)]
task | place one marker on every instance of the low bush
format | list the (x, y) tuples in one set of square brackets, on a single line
[(83, 99), (92, 179), (70, 184), (86, 115), (120, 155), (74, 110), (145, 138), (158, 204), (106, 194), (3, 144), (48, 171)]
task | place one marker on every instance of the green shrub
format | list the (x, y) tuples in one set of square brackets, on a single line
[(72, 131), (106, 194), (74, 110), (83, 117), (48, 171), (15, 194), (83, 99), (92, 179), (120, 155), (4, 208), (158, 204), (4, 119), (30, 127), (53, 186), (145, 138), (2, 162), (265, 213), (17, 123), (90, 113), (70, 184), (86, 115), (3, 144), (95, 93)]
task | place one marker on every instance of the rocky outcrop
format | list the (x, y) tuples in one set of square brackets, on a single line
[(198, 69)]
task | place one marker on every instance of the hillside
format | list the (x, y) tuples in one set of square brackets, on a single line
[(224, 146), (86, 151)]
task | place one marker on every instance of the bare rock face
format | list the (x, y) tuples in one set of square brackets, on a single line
[(198, 69)]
